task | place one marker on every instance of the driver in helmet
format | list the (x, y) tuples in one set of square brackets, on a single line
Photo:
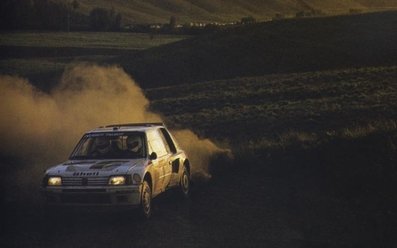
[(134, 145), (102, 146)]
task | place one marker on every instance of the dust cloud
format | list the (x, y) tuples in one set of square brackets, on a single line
[(46, 127), (41, 129), (200, 151)]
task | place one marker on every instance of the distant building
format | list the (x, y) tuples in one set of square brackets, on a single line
[(196, 24)]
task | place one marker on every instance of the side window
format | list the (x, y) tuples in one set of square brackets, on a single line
[(168, 140), (167, 147), (156, 143)]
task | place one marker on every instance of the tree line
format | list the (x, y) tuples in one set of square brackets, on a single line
[(55, 15)]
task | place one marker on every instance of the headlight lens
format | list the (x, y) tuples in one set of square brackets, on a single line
[(117, 180), (54, 181)]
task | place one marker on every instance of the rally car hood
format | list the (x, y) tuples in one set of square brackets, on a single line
[(95, 167)]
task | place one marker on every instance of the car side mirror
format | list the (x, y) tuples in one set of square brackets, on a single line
[(153, 156)]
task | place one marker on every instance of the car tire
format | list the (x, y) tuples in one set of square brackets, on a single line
[(146, 200), (184, 184)]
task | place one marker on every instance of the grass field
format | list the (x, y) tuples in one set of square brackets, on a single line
[(316, 105), (42, 56), (114, 40)]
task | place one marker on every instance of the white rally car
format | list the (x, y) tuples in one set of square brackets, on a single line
[(119, 165)]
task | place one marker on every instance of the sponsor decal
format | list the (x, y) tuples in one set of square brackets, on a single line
[(104, 134), (96, 173)]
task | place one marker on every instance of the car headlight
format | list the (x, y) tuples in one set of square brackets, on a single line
[(54, 181), (117, 180)]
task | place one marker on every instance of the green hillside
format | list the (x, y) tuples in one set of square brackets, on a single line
[(298, 45), (150, 11)]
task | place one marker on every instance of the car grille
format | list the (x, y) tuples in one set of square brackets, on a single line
[(85, 181)]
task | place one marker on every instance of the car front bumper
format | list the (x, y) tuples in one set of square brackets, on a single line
[(93, 196)]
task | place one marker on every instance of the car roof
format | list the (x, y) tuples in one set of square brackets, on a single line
[(127, 127)]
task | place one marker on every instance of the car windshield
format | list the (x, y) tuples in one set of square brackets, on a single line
[(110, 146)]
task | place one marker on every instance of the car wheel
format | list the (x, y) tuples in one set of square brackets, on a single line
[(185, 183), (146, 200)]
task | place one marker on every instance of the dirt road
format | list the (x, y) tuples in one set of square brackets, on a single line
[(233, 211)]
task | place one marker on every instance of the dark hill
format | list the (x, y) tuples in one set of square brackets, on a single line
[(295, 45)]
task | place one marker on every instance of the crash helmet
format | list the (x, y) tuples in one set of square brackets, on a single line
[(134, 143), (102, 144)]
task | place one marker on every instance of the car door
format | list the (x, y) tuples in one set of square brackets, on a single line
[(174, 159), (161, 164)]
